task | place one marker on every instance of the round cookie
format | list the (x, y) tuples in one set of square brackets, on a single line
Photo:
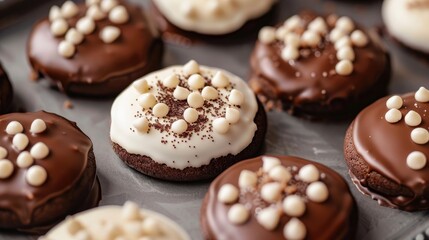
[(188, 21), (319, 67), (117, 222), (386, 149), (6, 92), (187, 123), (405, 20), (280, 197), (96, 49), (47, 171)]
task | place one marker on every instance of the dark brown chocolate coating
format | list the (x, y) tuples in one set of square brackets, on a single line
[(293, 87), (376, 153), (97, 68), (333, 219), (146, 165), (70, 166), (6, 92)]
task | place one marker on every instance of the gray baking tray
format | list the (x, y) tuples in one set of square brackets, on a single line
[(321, 142)]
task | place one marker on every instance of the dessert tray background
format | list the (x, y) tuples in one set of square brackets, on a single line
[(318, 141)]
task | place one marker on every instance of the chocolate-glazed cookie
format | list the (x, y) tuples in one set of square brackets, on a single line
[(6, 91), (94, 50), (279, 197), (319, 67), (386, 147), (47, 171)]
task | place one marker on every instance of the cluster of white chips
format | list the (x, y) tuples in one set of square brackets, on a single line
[(276, 194), (343, 36), (96, 10), (35, 175), (195, 95), (415, 160)]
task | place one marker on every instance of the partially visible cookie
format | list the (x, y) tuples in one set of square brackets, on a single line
[(6, 92)]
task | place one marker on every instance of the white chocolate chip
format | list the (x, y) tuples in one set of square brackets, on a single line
[(179, 126), (196, 82), (73, 36), (346, 53), (54, 13), (6, 168), (228, 193), (269, 163), (345, 24), (190, 115), (293, 22), (416, 160), (191, 67), (292, 40), (209, 93), (130, 211), (59, 27), (24, 160), (336, 34), (195, 100), (220, 80), (290, 53), (141, 124), (294, 206), (69, 9), (109, 34), (420, 136), (238, 214), (92, 2), (343, 42), (220, 125), (267, 35), (394, 102), (232, 115), (66, 49), (20, 141), (236, 97), (36, 176), (150, 226), (271, 192), (14, 127), (422, 95), (141, 85), (95, 12), (119, 15), (107, 5), (317, 192), (171, 81), (160, 110), (39, 151), (281, 33), (147, 100), (393, 115), (85, 25), (309, 173), (294, 229), (359, 39), (38, 126), (268, 218), (247, 179), (344, 67), (413, 119), (318, 25), (311, 38), (3, 153), (280, 174), (181, 93)]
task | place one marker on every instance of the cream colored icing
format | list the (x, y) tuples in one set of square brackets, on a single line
[(181, 152), (408, 24), (214, 17)]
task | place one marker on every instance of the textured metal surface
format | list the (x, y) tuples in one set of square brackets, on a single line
[(321, 142)]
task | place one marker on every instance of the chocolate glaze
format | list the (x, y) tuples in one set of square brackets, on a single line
[(67, 164), (97, 68), (292, 82), (385, 146), (333, 219), (6, 91)]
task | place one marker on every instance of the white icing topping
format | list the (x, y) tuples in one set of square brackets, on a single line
[(194, 151), (212, 16)]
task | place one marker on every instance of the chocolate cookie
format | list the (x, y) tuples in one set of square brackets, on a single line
[(117, 222), (96, 49), (386, 148), (47, 171), (186, 123), (278, 198), (6, 92), (319, 67), (189, 21)]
